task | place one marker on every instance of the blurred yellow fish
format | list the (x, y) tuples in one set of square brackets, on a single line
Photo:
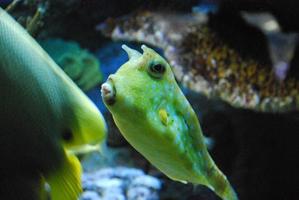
[(44, 118)]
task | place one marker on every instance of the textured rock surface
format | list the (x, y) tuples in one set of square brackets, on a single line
[(120, 183)]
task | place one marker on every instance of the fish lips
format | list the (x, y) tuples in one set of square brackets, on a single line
[(108, 92)]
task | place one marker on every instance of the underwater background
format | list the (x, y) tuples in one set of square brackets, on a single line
[(235, 61)]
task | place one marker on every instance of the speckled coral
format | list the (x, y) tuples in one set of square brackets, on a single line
[(205, 63), (241, 82), (79, 64)]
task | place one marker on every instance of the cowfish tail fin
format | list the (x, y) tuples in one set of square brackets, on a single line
[(220, 185), (65, 183)]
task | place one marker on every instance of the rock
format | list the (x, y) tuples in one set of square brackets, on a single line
[(120, 183), (208, 58), (141, 193), (108, 184), (104, 173), (146, 181), (114, 194), (90, 195), (128, 173)]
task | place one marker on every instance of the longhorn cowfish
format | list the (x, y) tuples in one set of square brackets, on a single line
[(154, 116), (45, 117)]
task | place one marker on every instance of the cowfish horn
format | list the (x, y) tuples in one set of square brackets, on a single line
[(132, 53), (147, 50), (144, 48)]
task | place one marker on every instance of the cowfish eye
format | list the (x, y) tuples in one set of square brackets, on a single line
[(157, 70)]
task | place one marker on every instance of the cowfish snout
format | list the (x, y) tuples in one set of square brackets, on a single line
[(108, 92)]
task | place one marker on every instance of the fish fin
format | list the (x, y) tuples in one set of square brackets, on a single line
[(65, 183), (175, 179)]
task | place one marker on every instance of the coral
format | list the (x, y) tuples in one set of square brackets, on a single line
[(120, 183), (32, 19), (205, 63), (78, 63), (241, 82)]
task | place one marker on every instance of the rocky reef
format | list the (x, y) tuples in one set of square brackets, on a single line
[(120, 183), (205, 62)]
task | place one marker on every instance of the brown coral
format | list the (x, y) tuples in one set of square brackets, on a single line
[(205, 63)]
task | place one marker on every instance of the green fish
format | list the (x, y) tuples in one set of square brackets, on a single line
[(45, 118), (154, 116)]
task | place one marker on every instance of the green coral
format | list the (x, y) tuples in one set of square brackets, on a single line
[(79, 64)]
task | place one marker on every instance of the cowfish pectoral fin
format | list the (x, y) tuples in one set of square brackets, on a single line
[(65, 183)]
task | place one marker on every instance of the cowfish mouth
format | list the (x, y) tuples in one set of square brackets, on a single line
[(108, 92)]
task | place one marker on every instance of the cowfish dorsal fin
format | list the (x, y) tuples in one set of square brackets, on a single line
[(65, 183)]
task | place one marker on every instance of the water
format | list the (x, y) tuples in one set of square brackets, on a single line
[(237, 68)]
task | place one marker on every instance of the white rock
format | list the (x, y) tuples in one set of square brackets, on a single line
[(114, 196), (115, 190), (141, 193), (89, 185), (90, 195), (146, 181), (128, 173), (120, 183), (105, 183), (104, 173)]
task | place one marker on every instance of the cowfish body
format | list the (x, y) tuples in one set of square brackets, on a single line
[(44, 118), (155, 117)]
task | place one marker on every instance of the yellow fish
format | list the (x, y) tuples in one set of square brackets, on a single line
[(44, 118)]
